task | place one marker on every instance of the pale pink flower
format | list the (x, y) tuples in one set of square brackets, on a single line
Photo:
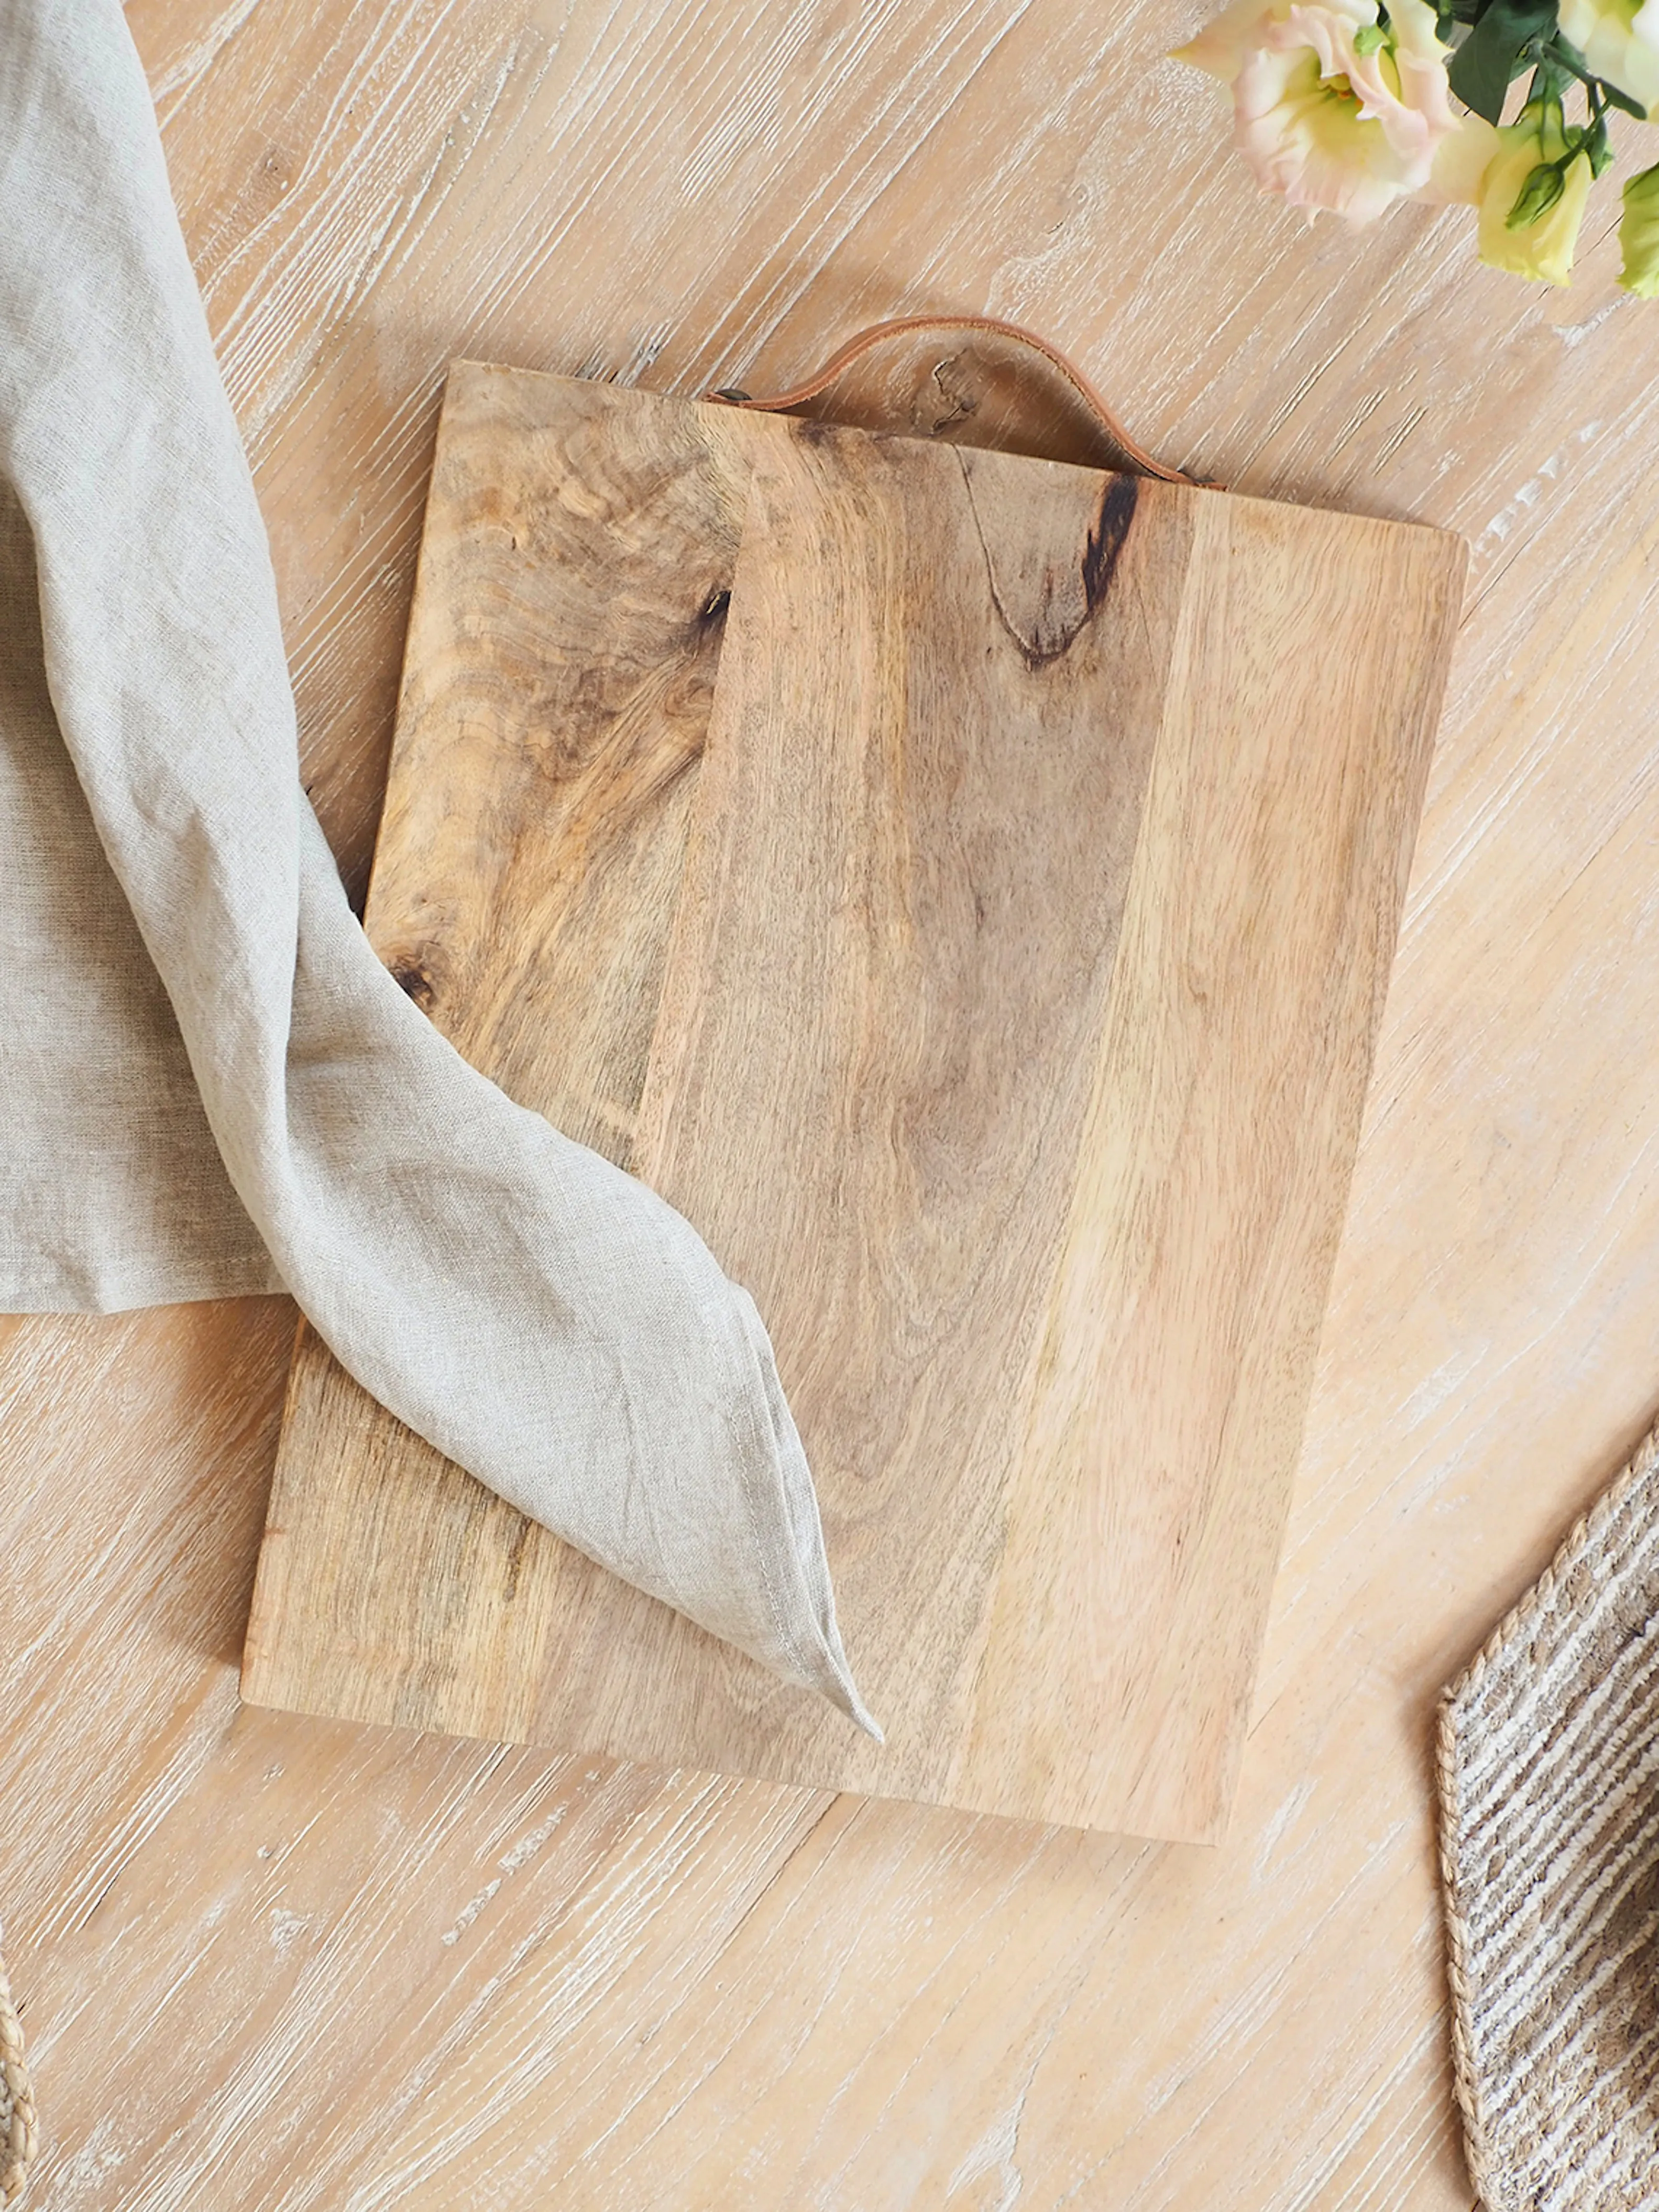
[(1326, 125)]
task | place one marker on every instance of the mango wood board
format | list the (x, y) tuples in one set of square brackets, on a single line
[(965, 885)]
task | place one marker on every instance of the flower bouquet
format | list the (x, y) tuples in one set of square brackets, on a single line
[(1352, 105)]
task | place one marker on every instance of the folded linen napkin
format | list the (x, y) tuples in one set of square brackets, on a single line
[(247, 1100)]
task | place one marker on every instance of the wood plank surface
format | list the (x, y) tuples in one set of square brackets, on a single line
[(669, 1993), (1180, 1331), (1043, 1235)]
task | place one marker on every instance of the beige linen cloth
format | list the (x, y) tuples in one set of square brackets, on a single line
[(208, 1083)]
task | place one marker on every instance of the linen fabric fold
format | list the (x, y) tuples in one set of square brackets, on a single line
[(207, 1082)]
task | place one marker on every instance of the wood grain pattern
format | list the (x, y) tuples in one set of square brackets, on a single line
[(1043, 1232), (1180, 1332), (669, 1994)]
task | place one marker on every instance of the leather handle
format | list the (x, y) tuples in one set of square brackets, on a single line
[(879, 333)]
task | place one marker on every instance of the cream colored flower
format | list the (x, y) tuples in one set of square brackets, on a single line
[(1331, 111), (1619, 41), (1461, 163), (1639, 234), (1542, 250)]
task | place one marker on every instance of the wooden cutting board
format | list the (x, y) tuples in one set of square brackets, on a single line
[(965, 885)]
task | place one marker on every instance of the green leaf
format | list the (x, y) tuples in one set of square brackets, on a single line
[(1369, 39), (1544, 186), (1493, 55)]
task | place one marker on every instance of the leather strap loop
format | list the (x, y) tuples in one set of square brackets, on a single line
[(879, 333)]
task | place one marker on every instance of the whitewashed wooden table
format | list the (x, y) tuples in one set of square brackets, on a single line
[(269, 1962)]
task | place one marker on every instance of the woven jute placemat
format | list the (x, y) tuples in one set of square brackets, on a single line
[(1549, 1808), (18, 2129)]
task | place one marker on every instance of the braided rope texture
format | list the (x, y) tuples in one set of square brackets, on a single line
[(1549, 1843), (17, 2127)]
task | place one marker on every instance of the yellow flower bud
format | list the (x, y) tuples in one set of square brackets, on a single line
[(1639, 233), (1541, 249)]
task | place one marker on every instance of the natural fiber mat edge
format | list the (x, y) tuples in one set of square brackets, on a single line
[(1548, 1779), (17, 2123)]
